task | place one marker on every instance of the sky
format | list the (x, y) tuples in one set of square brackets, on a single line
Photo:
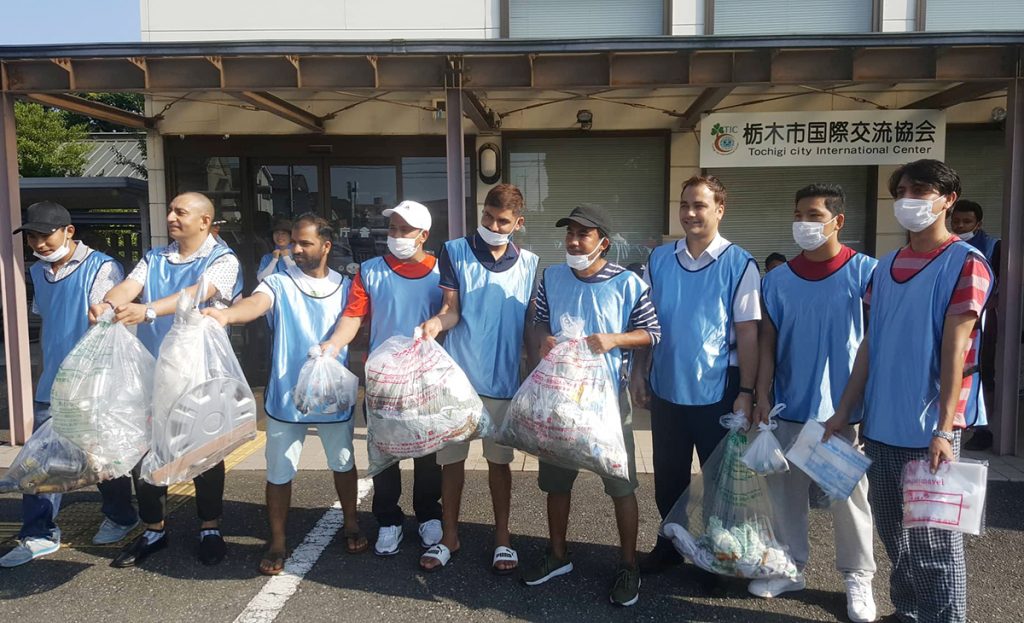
[(68, 21)]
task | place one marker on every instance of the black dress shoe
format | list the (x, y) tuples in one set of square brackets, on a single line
[(212, 549), (137, 551), (660, 559)]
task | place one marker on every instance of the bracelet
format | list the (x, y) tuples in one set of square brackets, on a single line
[(746, 390), (112, 306), (941, 434)]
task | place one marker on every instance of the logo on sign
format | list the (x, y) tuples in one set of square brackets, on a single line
[(724, 141)]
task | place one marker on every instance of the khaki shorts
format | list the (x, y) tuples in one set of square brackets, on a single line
[(493, 452), (557, 479)]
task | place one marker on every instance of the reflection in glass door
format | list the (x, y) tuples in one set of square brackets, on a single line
[(359, 193)]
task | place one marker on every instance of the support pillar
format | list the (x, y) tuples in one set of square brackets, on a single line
[(456, 153), (12, 281)]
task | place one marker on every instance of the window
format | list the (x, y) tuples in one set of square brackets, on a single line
[(543, 19), (946, 15), (768, 17)]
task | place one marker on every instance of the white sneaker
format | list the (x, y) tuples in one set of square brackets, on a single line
[(430, 533), (860, 602), (388, 540), (111, 532), (30, 549), (776, 587)]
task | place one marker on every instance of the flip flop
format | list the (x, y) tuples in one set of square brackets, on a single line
[(276, 566), (438, 552), (504, 554), (356, 536)]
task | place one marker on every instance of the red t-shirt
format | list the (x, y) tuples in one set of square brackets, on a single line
[(359, 301), (816, 271)]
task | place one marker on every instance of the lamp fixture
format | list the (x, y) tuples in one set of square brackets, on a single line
[(585, 118), (489, 163)]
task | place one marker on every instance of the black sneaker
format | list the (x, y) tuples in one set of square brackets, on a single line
[(550, 567), (137, 551), (212, 549), (662, 558), (626, 587)]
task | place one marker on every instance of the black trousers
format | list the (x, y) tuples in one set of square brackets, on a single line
[(209, 496), (675, 431), (426, 492)]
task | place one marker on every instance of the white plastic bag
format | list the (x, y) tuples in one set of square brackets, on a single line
[(724, 521), (567, 411), (102, 396), (324, 386), (953, 498), (764, 455), (203, 407), (835, 465), (50, 463), (418, 400)]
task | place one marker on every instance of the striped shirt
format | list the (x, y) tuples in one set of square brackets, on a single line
[(969, 297), (643, 315)]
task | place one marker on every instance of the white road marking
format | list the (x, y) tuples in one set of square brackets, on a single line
[(267, 604)]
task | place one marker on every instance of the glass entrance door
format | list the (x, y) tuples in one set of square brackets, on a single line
[(359, 195)]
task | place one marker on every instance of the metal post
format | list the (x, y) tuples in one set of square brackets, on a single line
[(12, 281), (456, 152), (1008, 350)]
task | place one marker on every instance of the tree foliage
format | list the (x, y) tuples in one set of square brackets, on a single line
[(47, 145)]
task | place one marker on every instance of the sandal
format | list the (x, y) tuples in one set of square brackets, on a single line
[(272, 563), (438, 552), (504, 554), (355, 542)]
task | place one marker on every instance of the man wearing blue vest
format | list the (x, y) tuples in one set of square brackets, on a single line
[(813, 323), (157, 280), (302, 306), (488, 284), (708, 292), (915, 374), (966, 222), (67, 279), (617, 317), (397, 293)]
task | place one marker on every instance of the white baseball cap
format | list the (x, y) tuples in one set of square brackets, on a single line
[(415, 214)]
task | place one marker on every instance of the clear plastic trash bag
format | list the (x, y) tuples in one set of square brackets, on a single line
[(50, 463), (102, 396), (418, 400), (325, 386), (765, 455), (567, 411), (724, 521), (203, 408)]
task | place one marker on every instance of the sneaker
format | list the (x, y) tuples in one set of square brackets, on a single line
[(659, 559), (776, 587), (860, 602), (626, 587), (111, 532), (550, 567), (31, 548), (430, 533), (388, 540), (212, 548)]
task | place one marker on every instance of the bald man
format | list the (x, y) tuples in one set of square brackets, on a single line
[(157, 281)]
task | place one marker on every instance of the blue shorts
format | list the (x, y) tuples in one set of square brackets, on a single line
[(284, 447)]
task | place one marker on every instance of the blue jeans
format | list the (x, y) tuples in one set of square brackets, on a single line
[(39, 512)]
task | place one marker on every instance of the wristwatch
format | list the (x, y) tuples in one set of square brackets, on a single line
[(150, 314), (941, 434)]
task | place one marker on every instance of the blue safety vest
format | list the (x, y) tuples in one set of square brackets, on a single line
[(398, 304), (488, 340), (691, 361), (280, 268), (300, 321), (984, 243), (64, 308), (901, 402), (604, 306), (820, 325), (164, 279)]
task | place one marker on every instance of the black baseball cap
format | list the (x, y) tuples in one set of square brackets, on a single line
[(45, 217), (588, 215)]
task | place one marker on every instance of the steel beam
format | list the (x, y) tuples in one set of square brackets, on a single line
[(456, 156), (286, 110), (12, 282), (708, 99), (963, 92), (96, 110), (1006, 425), (485, 119)]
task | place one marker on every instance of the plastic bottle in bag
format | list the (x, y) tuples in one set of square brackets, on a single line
[(324, 386)]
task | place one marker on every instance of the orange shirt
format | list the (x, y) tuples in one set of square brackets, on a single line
[(359, 301)]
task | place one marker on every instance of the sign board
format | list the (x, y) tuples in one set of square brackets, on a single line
[(821, 138)]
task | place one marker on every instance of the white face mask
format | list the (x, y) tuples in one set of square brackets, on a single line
[(809, 236), (967, 236), (491, 238), (402, 248), (915, 214), (57, 255), (583, 262)]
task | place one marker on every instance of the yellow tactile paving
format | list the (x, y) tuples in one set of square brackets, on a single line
[(78, 522)]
